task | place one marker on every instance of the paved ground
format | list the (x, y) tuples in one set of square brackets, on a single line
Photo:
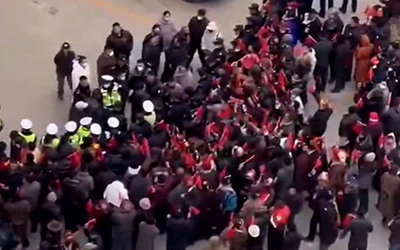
[(31, 32)]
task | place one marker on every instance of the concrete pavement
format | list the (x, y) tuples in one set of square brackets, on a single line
[(31, 32)]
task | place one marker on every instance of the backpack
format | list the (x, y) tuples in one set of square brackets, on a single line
[(230, 201)]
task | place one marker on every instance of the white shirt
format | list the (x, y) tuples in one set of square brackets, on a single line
[(77, 72)]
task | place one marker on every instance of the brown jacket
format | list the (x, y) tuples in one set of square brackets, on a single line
[(18, 212), (363, 57), (337, 173), (390, 184)]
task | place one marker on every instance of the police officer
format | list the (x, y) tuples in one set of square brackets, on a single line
[(26, 133), (111, 95), (84, 128), (71, 134), (113, 127), (96, 132), (149, 114), (51, 135)]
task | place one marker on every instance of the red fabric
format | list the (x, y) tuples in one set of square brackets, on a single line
[(347, 220), (230, 234), (358, 127), (188, 160), (373, 118), (290, 142), (249, 61), (226, 113), (310, 41), (144, 147), (280, 216), (381, 141), (3, 165), (207, 163), (282, 81), (112, 143), (75, 159)]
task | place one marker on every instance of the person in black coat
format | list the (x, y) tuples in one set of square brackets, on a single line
[(328, 231), (323, 49), (152, 48), (176, 55), (120, 40), (319, 122), (341, 52), (64, 61), (352, 32), (359, 229), (292, 239), (179, 232), (197, 26)]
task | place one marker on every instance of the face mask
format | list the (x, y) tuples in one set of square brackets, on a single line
[(200, 18), (111, 53), (167, 18), (140, 68), (106, 86)]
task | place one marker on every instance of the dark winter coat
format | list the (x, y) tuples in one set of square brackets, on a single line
[(328, 231), (319, 122), (122, 44), (353, 34), (179, 231), (122, 229), (359, 230), (146, 236), (64, 62), (391, 121), (196, 29), (105, 64)]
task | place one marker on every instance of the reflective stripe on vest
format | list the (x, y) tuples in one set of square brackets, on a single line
[(83, 132), (28, 138), (111, 99), (75, 140)]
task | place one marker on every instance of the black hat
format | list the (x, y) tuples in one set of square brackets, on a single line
[(55, 226), (238, 27), (254, 6), (219, 41), (330, 24), (66, 45)]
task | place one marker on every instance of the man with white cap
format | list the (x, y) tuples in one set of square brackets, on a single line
[(95, 131), (51, 137), (113, 123), (149, 114), (111, 94), (84, 128), (26, 133), (71, 134)]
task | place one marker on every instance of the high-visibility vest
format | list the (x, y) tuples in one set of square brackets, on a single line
[(83, 133), (55, 142), (151, 118), (28, 138), (75, 140), (111, 99)]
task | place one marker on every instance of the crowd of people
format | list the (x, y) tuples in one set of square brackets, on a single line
[(230, 156)]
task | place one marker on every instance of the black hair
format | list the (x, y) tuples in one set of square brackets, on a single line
[(352, 109), (355, 19), (83, 78), (81, 58), (155, 26), (167, 12), (116, 24), (201, 12)]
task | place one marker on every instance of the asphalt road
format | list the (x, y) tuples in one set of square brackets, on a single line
[(31, 32)]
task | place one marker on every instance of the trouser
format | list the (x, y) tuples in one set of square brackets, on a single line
[(323, 246), (340, 79), (192, 50), (61, 81), (314, 221), (353, 5), (21, 233), (363, 198), (34, 216), (321, 78), (394, 23), (322, 4), (357, 247), (168, 73)]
